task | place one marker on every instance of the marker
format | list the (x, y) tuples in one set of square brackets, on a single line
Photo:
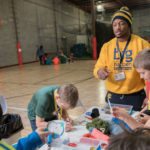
[(49, 141), (88, 117)]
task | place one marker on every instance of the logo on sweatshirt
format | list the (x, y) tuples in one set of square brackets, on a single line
[(127, 60)]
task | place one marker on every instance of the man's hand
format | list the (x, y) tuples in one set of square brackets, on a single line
[(103, 73), (42, 133)]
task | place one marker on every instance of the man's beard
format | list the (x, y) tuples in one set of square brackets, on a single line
[(123, 35)]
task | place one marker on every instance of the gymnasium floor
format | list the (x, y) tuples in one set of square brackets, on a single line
[(18, 84)]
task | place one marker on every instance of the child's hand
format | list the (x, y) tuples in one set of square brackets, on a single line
[(119, 113), (143, 118), (69, 124), (42, 133)]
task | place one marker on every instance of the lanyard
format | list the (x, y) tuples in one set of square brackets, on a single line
[(58, 110), (121, 55)]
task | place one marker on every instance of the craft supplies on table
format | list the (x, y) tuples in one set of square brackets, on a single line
[(73, 140), (85, 143)]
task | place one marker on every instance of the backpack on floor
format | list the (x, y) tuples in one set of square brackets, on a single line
[(10, 124)]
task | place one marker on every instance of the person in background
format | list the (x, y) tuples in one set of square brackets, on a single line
[(62, 57), (45, 58), (40, 54), (55, 60), (115, 63), (70, 59)]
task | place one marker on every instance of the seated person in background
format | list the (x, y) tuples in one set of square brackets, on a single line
[(142, 65), (48, 61), (45, 58), (50, 103), (31, 142), (55, 60), (138, 139), (63, 58), (70, 59)]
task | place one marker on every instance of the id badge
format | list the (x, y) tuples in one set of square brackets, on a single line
[(119, 76)]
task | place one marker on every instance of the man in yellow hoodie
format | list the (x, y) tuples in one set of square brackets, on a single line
[(115, 63)]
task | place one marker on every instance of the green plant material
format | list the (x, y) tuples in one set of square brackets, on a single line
[(99, 124)]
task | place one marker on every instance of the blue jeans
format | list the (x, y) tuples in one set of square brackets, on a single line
[(33, 125), (33, 122)]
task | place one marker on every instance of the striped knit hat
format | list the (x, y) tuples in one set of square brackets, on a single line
[(123, 14)]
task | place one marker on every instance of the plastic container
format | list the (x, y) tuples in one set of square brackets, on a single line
[(128, 108)]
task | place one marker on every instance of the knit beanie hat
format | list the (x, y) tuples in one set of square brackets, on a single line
[(123, 14)]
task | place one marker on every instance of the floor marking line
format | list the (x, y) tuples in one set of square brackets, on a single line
[(16, 108)]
